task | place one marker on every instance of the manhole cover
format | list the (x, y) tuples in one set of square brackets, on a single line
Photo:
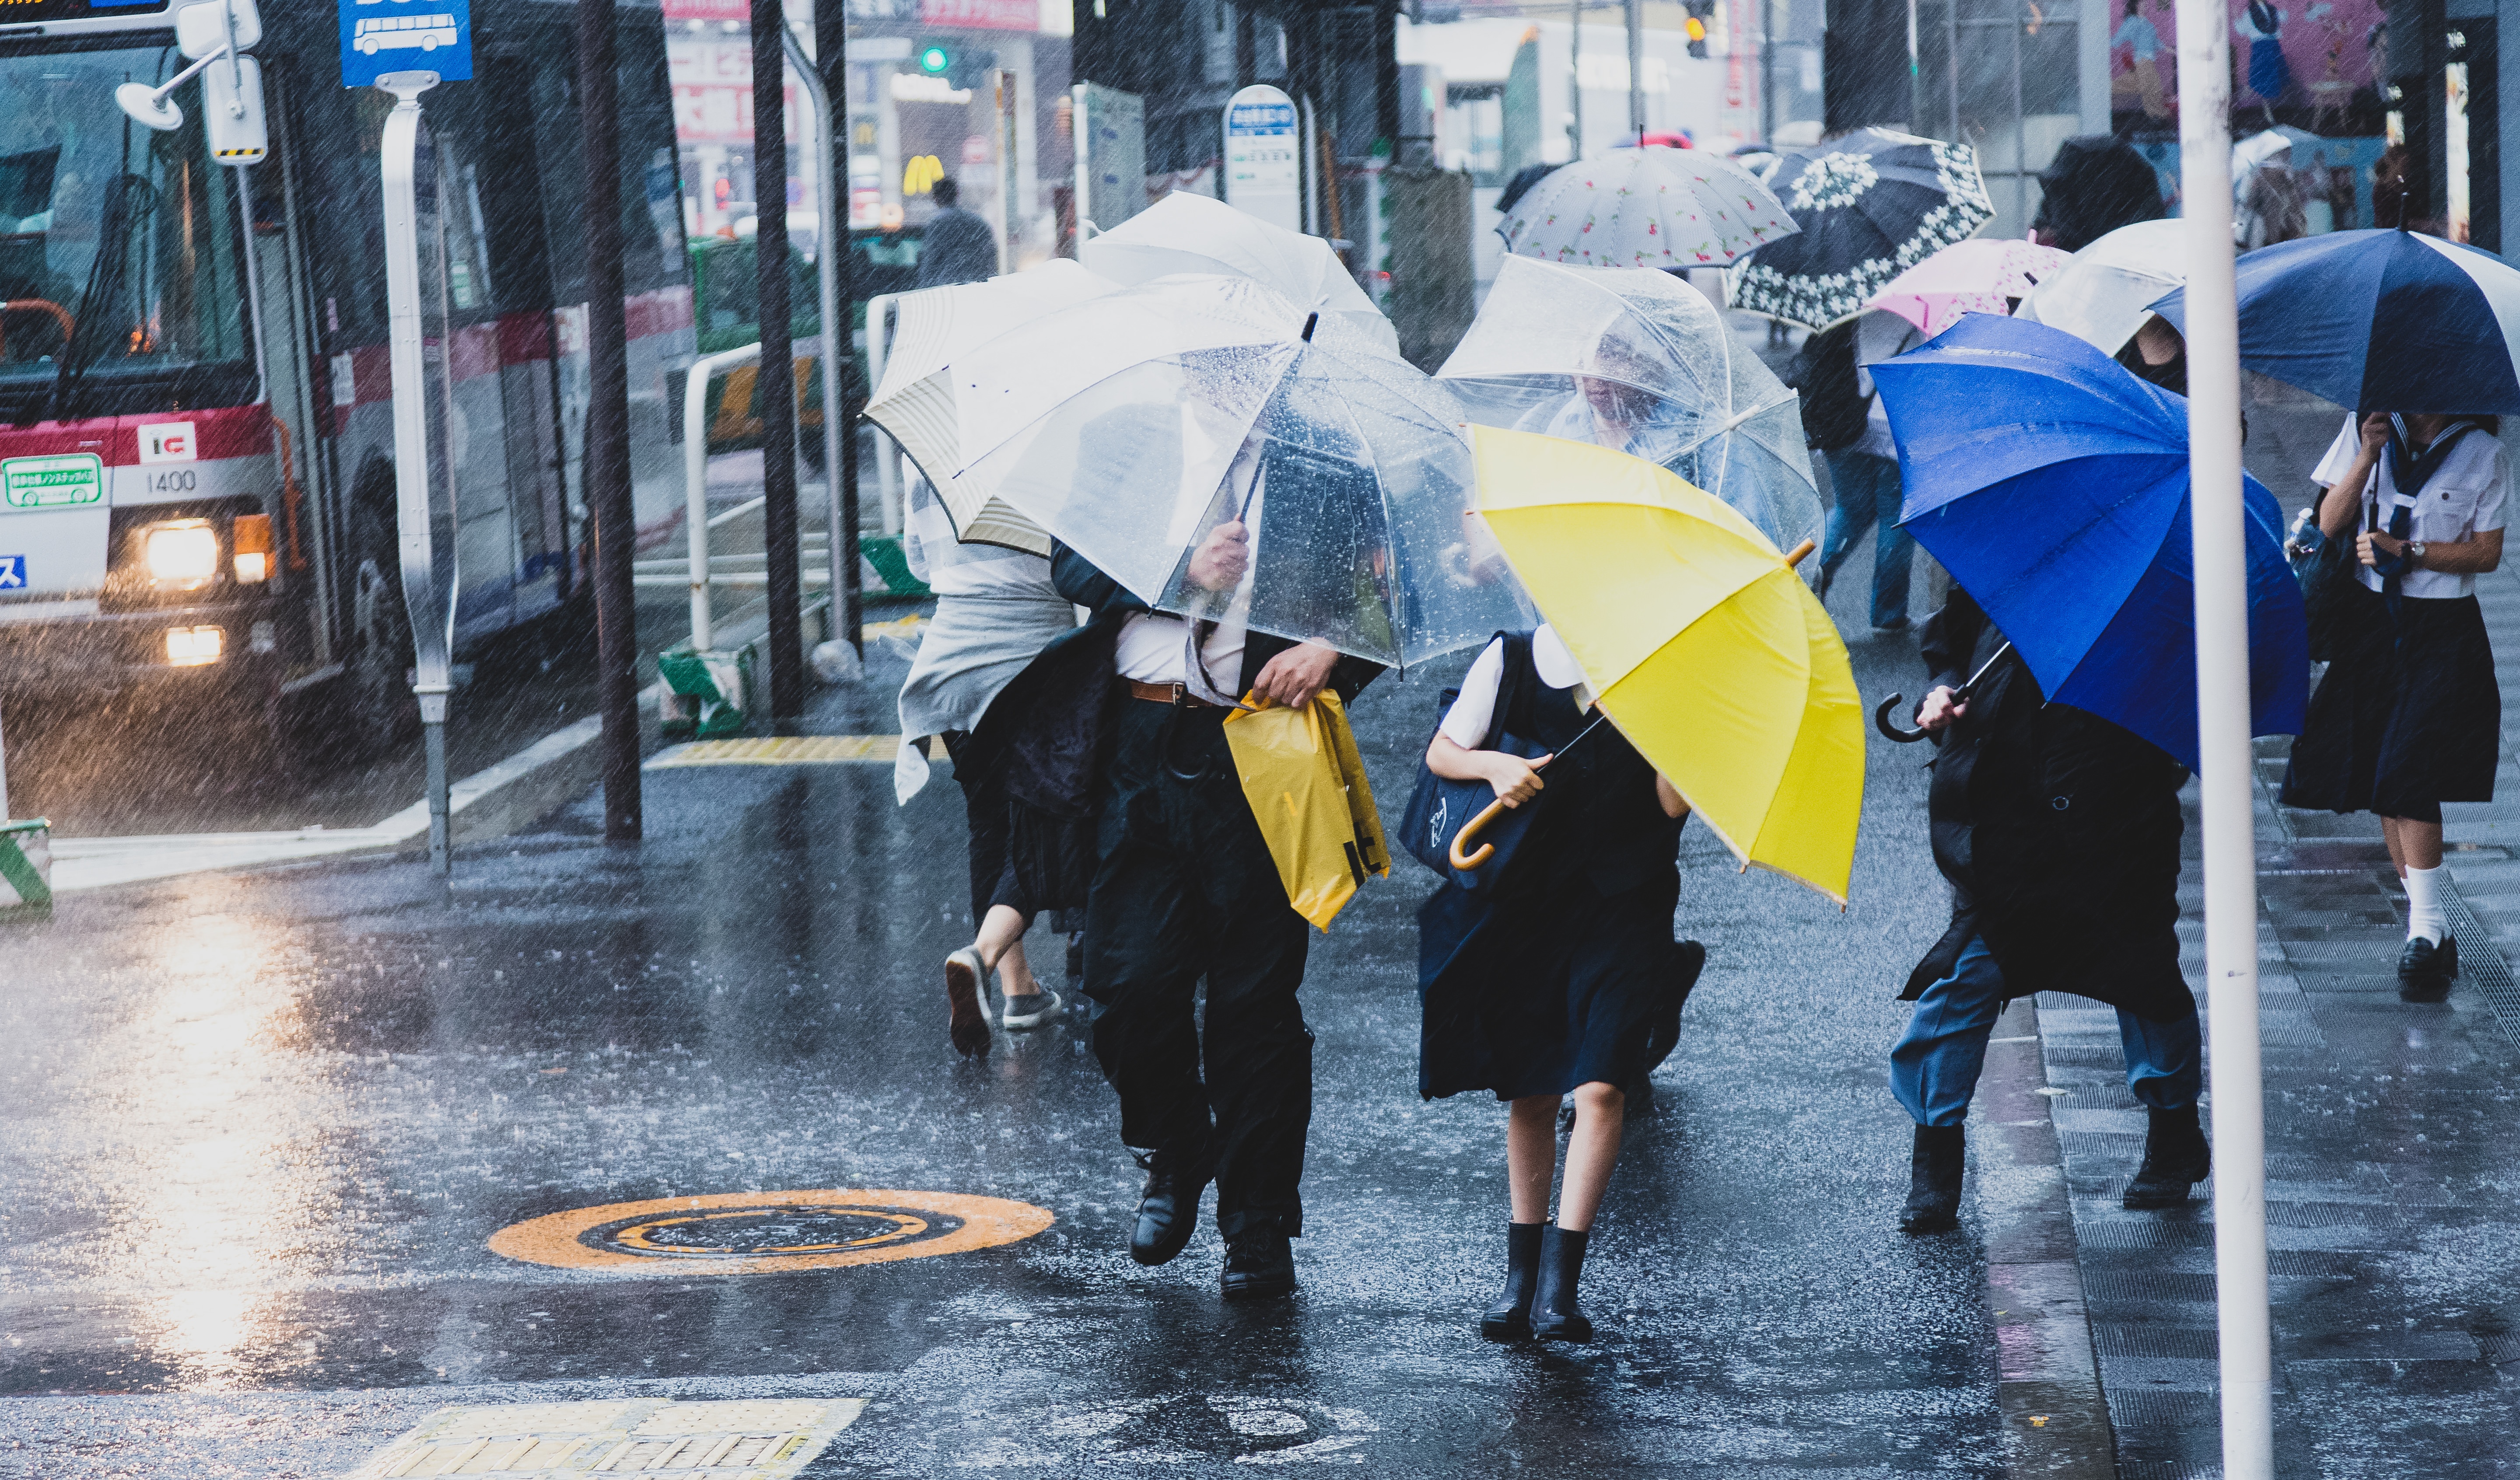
[(766, 1232)]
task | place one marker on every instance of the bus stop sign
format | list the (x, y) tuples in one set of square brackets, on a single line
[(381, 36)]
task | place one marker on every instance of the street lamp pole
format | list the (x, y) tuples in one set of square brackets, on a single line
[(606, 465), (1637, 72), (774, 387), (2225, 769)]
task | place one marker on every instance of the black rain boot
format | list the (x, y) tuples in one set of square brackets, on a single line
[(1510, 1319), (2425, 971), (2176, 1158), (1553, 1313), (1168, 1209), (1934, 1168)]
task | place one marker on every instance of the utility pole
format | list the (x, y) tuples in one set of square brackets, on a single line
[(1575, 85), (773, 389), (606, 464), (848, 602)]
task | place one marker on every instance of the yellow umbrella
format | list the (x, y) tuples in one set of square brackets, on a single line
[(1703, 644)]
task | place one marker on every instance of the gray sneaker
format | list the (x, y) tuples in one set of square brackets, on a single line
[(1031, 1012)]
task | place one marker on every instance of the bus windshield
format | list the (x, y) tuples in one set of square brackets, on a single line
[(168, 294)]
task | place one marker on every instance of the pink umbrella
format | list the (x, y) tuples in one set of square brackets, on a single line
[(1966, 277)]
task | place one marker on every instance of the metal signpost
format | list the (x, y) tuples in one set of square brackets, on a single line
[(2222, 582), (829, 252), (1264, 156), (378, 50)]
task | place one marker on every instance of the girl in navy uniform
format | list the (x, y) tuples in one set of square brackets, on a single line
[(1561, 975), (2408, 716)]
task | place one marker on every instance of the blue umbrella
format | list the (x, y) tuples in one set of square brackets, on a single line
[(2052, 484), (2380, 321)]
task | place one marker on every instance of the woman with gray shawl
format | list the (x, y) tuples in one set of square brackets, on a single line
[(996, 610)]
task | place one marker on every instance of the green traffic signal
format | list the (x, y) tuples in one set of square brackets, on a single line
[(934, 60)]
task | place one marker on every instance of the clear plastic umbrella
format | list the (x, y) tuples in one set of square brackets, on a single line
[(1184, 233), (1132, 428), (1636, 360)]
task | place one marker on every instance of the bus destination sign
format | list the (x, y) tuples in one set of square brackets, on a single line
[(16, 12)]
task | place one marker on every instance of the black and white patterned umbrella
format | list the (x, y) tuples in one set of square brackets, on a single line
[(1870, 206)]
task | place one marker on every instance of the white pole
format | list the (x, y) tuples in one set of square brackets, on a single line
[(695, 517), (4, 779), (2223, 741), (1637, 72)]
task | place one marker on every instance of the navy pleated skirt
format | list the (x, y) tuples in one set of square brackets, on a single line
[(2408, 716)]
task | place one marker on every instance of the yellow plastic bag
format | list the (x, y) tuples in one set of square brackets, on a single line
[(1306, 784)]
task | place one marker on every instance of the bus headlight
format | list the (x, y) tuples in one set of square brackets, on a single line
[(192, 646), (183, 554)]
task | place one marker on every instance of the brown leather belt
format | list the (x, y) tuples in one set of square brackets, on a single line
[(1168, 694)]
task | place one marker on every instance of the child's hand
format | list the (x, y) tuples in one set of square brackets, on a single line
[(1516, 781)]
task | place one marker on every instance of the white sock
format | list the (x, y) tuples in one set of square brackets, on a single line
[(2424, 915)]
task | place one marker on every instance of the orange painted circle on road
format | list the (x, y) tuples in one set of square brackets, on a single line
[(768, 1232)]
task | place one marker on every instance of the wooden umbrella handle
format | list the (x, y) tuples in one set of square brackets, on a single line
[(1799, 551), (1469, 863)]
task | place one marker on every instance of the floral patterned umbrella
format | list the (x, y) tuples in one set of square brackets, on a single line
[(1967, 277), (1655, 207), (1870, 206)]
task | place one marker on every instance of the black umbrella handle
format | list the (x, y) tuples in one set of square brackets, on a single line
[(1883, 711)]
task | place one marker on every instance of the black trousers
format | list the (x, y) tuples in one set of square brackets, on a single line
[(1186, 888)]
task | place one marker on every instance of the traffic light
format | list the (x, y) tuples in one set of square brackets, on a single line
[(1699, 13), (962, 69)]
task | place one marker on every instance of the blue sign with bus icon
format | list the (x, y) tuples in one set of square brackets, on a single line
[(381, 36), (13, 572)]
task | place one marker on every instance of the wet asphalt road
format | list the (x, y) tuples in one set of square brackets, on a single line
[(266, 1124)]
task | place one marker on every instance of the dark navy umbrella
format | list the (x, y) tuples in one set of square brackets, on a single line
[(1871, 204), (2380, 321), (2052, 484)]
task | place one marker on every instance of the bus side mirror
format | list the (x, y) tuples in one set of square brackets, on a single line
[(232, 113)]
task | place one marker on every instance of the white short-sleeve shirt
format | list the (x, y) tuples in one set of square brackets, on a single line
[(1467, 723), (2466, 497)]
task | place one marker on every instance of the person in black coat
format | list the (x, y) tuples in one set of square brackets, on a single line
[(2059, 832), (1559, 974), (1123, 719)]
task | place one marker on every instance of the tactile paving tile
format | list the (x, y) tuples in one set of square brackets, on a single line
[(783, 750), (744, 1438)]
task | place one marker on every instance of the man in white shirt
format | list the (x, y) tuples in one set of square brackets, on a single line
[(1186, 888)]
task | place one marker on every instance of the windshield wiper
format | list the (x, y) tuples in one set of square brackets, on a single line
[(128, 199)]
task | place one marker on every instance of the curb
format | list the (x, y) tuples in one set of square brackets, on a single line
[(2047, 1380)]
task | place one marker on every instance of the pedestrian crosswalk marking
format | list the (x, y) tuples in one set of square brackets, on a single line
[(783, 750), (743, 1439)]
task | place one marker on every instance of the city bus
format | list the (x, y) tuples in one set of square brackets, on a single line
[(196, 492)]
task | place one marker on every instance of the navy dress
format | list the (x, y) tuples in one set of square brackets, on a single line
[(1564, 973)]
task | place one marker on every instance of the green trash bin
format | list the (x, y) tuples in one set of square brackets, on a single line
[(706, 694), (25, 867)]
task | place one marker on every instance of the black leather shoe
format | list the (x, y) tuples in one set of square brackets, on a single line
[(1935, 1166), (1510, 1319), (2176, 1158), (1168, 1209), (2425, 971), (1258, 1263), (1554, 1316)]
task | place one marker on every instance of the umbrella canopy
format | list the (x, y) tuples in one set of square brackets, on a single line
[(2053, 486), (1704, 647), (1133, 426), (915, 404), (1644, 208), (2103, 295), (1870, 206), (1186, 233), (1637, 360), (1967, 277), (2380, 321)]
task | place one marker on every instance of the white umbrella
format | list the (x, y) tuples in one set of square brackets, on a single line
[(1194, 234), (1653, 206), (916, 401), (2104, 294)]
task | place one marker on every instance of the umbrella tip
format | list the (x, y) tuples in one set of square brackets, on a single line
[(1310, 320)]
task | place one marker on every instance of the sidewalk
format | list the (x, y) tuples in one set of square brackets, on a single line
[(2393, 1217)]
